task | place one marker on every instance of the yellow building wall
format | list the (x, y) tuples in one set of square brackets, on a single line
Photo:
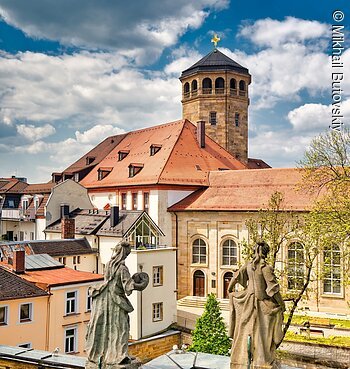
[(59, 321), (214, 228), (33, 332)]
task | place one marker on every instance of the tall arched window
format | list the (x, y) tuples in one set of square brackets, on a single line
[(242, 85), (219, 85), (332, 270), (295, 270), (206, 86), (186, 89), (194, 87), (199, 251), (233, 87), (229, 252)]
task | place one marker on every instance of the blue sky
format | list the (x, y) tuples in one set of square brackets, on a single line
[(74, 72)]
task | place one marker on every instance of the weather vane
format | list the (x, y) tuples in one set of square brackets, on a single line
[(215, 40)]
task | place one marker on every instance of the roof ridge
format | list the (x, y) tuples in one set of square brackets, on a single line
[(155, 127)]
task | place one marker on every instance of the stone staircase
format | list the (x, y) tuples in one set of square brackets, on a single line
[(199, 302)]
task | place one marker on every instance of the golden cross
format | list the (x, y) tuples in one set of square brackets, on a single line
[(215, 40)]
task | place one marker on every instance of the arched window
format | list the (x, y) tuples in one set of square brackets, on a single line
[(295, 269), (186, 89), (233, 84), (242, 85), (227, 279), (219, 85), (229, 252), (332, 270), (206, 86), (199, 251), (194, 87), (198, 283)]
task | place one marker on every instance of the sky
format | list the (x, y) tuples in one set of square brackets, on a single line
[(73, 72)]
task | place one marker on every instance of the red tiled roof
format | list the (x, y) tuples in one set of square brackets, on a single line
[(62, 276), (13, 286), (99, 152), (180, 161), (248, 190), (257, 164), (12, 185), (39, 188)]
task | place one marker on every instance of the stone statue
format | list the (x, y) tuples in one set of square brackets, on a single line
[(256, 313), (108, 329)]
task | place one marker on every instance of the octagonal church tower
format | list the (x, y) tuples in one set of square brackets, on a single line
[(215, 90)]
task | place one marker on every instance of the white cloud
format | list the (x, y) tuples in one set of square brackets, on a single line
[(135, 28), (183, 59), (273, 33), (33, 133), (316, 117), (85, 89), (97, 133)]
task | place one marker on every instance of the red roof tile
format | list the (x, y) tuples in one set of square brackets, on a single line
[(247, 190), (180, 161), (62, 276)]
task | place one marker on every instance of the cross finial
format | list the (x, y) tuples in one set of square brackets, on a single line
[(215, 40)]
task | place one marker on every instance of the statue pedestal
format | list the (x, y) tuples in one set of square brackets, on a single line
[(135, 364)]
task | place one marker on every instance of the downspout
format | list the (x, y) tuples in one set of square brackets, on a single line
[(98, 253), (176, 253), (48, 316)]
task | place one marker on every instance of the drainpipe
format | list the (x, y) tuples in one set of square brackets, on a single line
[(176, 253), (48, 316)]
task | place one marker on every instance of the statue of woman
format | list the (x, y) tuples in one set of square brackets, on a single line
[(256, 313), (108, 329)]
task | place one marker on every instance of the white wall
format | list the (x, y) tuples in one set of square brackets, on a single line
[(107, 244), (153, 294), (40, 227), (100, 200), (67, 192)]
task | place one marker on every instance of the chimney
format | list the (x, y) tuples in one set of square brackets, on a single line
[(201, 133), (114, 217), (64, 211), (67, 228), (19, 262)]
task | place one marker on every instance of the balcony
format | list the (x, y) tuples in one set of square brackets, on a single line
[(186, 95), (17, 214), (207, 91), (219, 91), (233, 92), (241, 93), (10, 214)]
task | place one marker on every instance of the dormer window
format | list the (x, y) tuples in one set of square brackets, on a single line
[(154, 149), (103, 173), (134, 169), (25, 203), (89, 159), (122, 154)]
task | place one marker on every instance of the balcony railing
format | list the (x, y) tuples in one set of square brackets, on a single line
[(233, 92), (186, 95), (10, 214), (219, 91), (194, 93), (241, 93), (207, 91)]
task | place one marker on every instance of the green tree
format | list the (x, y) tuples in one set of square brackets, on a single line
[(210, 335)]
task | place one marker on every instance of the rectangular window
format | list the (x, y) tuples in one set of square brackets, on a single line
[(134, 201), (123, 201), (21, 235), (3, 315), (71, 302), (25, 313), (70, 341), (78, 259), (237, 119), (11, 203), (32, 235), (25, 204), (158, 276), (332, 270), (212, 118), (157, 312), (146, 201)]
